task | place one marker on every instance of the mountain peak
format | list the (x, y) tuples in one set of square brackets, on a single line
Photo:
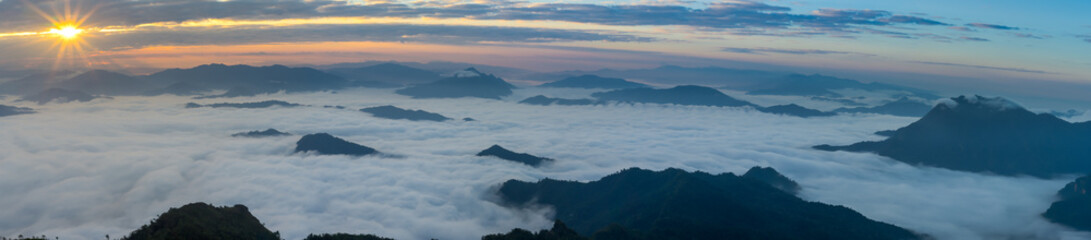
[(468, 73), (978, 102)]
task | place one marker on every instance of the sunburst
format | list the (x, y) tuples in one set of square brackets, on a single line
[(68, 32)]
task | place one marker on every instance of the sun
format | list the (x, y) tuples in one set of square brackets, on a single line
[(67, 32)]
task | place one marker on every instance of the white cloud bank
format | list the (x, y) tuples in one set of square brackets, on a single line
[(84, 170)]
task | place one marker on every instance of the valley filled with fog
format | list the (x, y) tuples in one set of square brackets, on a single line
[(82, 170)]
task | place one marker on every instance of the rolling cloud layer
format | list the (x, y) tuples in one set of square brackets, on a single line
[(83, 170)]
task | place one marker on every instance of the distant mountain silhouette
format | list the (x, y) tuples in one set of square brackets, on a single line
[(902, 107), (979, 134), (675, 204), (593, 81), (542, 100), (178, 89), (58, 95), (502, 153), (263, 104), (102, 82), (344, 236), (326, 144), (770, 176), (203, 221), (257, 134), (842, 101), (1073, 208), (391, 73), (465, 83), (35, 82), (6, 110), (233, 92), (392, 112), (558, 232), (681, 95), (819, 85), (795, 110), (269, 79)]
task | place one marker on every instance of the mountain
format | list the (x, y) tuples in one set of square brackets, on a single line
[(500, 152), (542, 100), (795, 110), (203, 221), (390, 73), (558, 232), (978, 134), (675, 204), (257, 134), (392, 112), (102, 82), (904, 107), (669, 74), (681, 95), (58, 95), (326, 144), (770, 176), (35, 82), (233, 92), (9, 110), (1073, 208), (268, 79), (178, 89), (593, 81), (263, 104), (344, 236), (465, 83)]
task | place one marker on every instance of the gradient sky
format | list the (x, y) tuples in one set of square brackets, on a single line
[(1006, 41)]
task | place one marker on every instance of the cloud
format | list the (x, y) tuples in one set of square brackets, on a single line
[(991, 26), (961, 28), (721, 15), (985, 67), (973, 39), (762, 51), (1028, 35), (83, 170)]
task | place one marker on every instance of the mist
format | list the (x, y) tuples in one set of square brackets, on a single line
[(85, 170)]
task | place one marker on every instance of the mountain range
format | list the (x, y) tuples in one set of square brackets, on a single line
[(593, 81), (502, 153), (979, 134), (392, 112), (675, 204), (326, 144), (1073, 207), (465, 83)]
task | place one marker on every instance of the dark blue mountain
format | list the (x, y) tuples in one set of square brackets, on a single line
[(263, 104), (1073, 207), (326, 144), (795, 110), (178, 89), (680, 95), (58, 95), (542, 100), (392, 74), (770, 176), (392, 112), (904, 107), (465, 83), (259, 134), (204, 221), (502, 153), (233, 92), (675, 204), (978, 134), (267, 79), (593, 81), (102, 82)]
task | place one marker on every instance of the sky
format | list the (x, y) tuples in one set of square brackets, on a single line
[(970, 43)]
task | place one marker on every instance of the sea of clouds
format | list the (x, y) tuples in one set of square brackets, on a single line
[(85, 170)]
